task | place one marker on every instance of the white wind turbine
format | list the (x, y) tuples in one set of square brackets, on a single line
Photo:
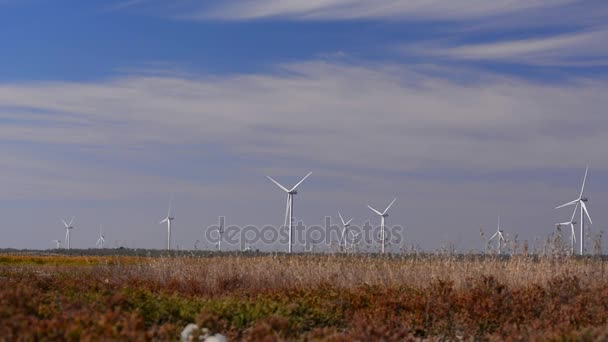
[(383, 216), (101, 239), (345, 226), (571, 223), (500, 237), (289, 207), (581, 201), (168, 219), (220, 232), (68, 229), (58, 242), (354, 240)]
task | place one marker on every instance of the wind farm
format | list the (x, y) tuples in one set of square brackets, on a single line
[(366, 252), (353, 258), (330, 170)]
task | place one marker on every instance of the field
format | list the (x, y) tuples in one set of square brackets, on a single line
[(303, 297)]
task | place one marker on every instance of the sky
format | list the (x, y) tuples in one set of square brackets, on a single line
[(463, 110)]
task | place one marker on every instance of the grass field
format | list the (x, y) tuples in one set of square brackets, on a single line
[(303, 297)]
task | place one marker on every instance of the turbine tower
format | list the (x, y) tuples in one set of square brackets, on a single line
[(571, 223), (289, 206), (168, 219), (220, 232), (383, 216), (501, 238), (581, 201), (68, 229), (345, 226), (58, 242), (101, 239)]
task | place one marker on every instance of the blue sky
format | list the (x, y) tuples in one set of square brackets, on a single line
[(459, 108)]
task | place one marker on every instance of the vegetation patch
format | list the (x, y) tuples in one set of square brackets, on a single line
[(303, 297)]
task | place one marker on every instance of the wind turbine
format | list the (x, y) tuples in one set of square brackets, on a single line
[(58, 242), (498, 234), (581, 201), (289, 206), (168, 219), (68, 228), (345, 226), (101, 239), (354, 240), (571, 223), (220, 232), (383, 216)]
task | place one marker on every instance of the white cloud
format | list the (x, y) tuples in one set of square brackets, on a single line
[(384, 117), (573, 49), (361, 9)]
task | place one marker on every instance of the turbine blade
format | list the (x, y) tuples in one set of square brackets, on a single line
[(64, 223), (72, 220), (348, 222), (374, 210), (300, 182), (584, 206), (341, 219), (574, 212), (567, 204), (163, 221), (170, 204), (389, 206), (573, 233), (278, 184), (493, 236), (584, 180)]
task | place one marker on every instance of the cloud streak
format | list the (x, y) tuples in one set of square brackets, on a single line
[(322, 112), (360, 9), (368, 131), (548, 32), (578, 49)]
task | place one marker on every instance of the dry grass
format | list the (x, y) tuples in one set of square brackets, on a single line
[(275, 272), (332, 297)]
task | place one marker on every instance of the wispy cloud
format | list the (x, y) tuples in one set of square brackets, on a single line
[(379, 124), (125, 4), (573, 49), (323, 112), (572, 32), (463, 17), (361, 9)]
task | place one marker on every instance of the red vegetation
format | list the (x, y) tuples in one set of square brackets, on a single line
[(142, 301)]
